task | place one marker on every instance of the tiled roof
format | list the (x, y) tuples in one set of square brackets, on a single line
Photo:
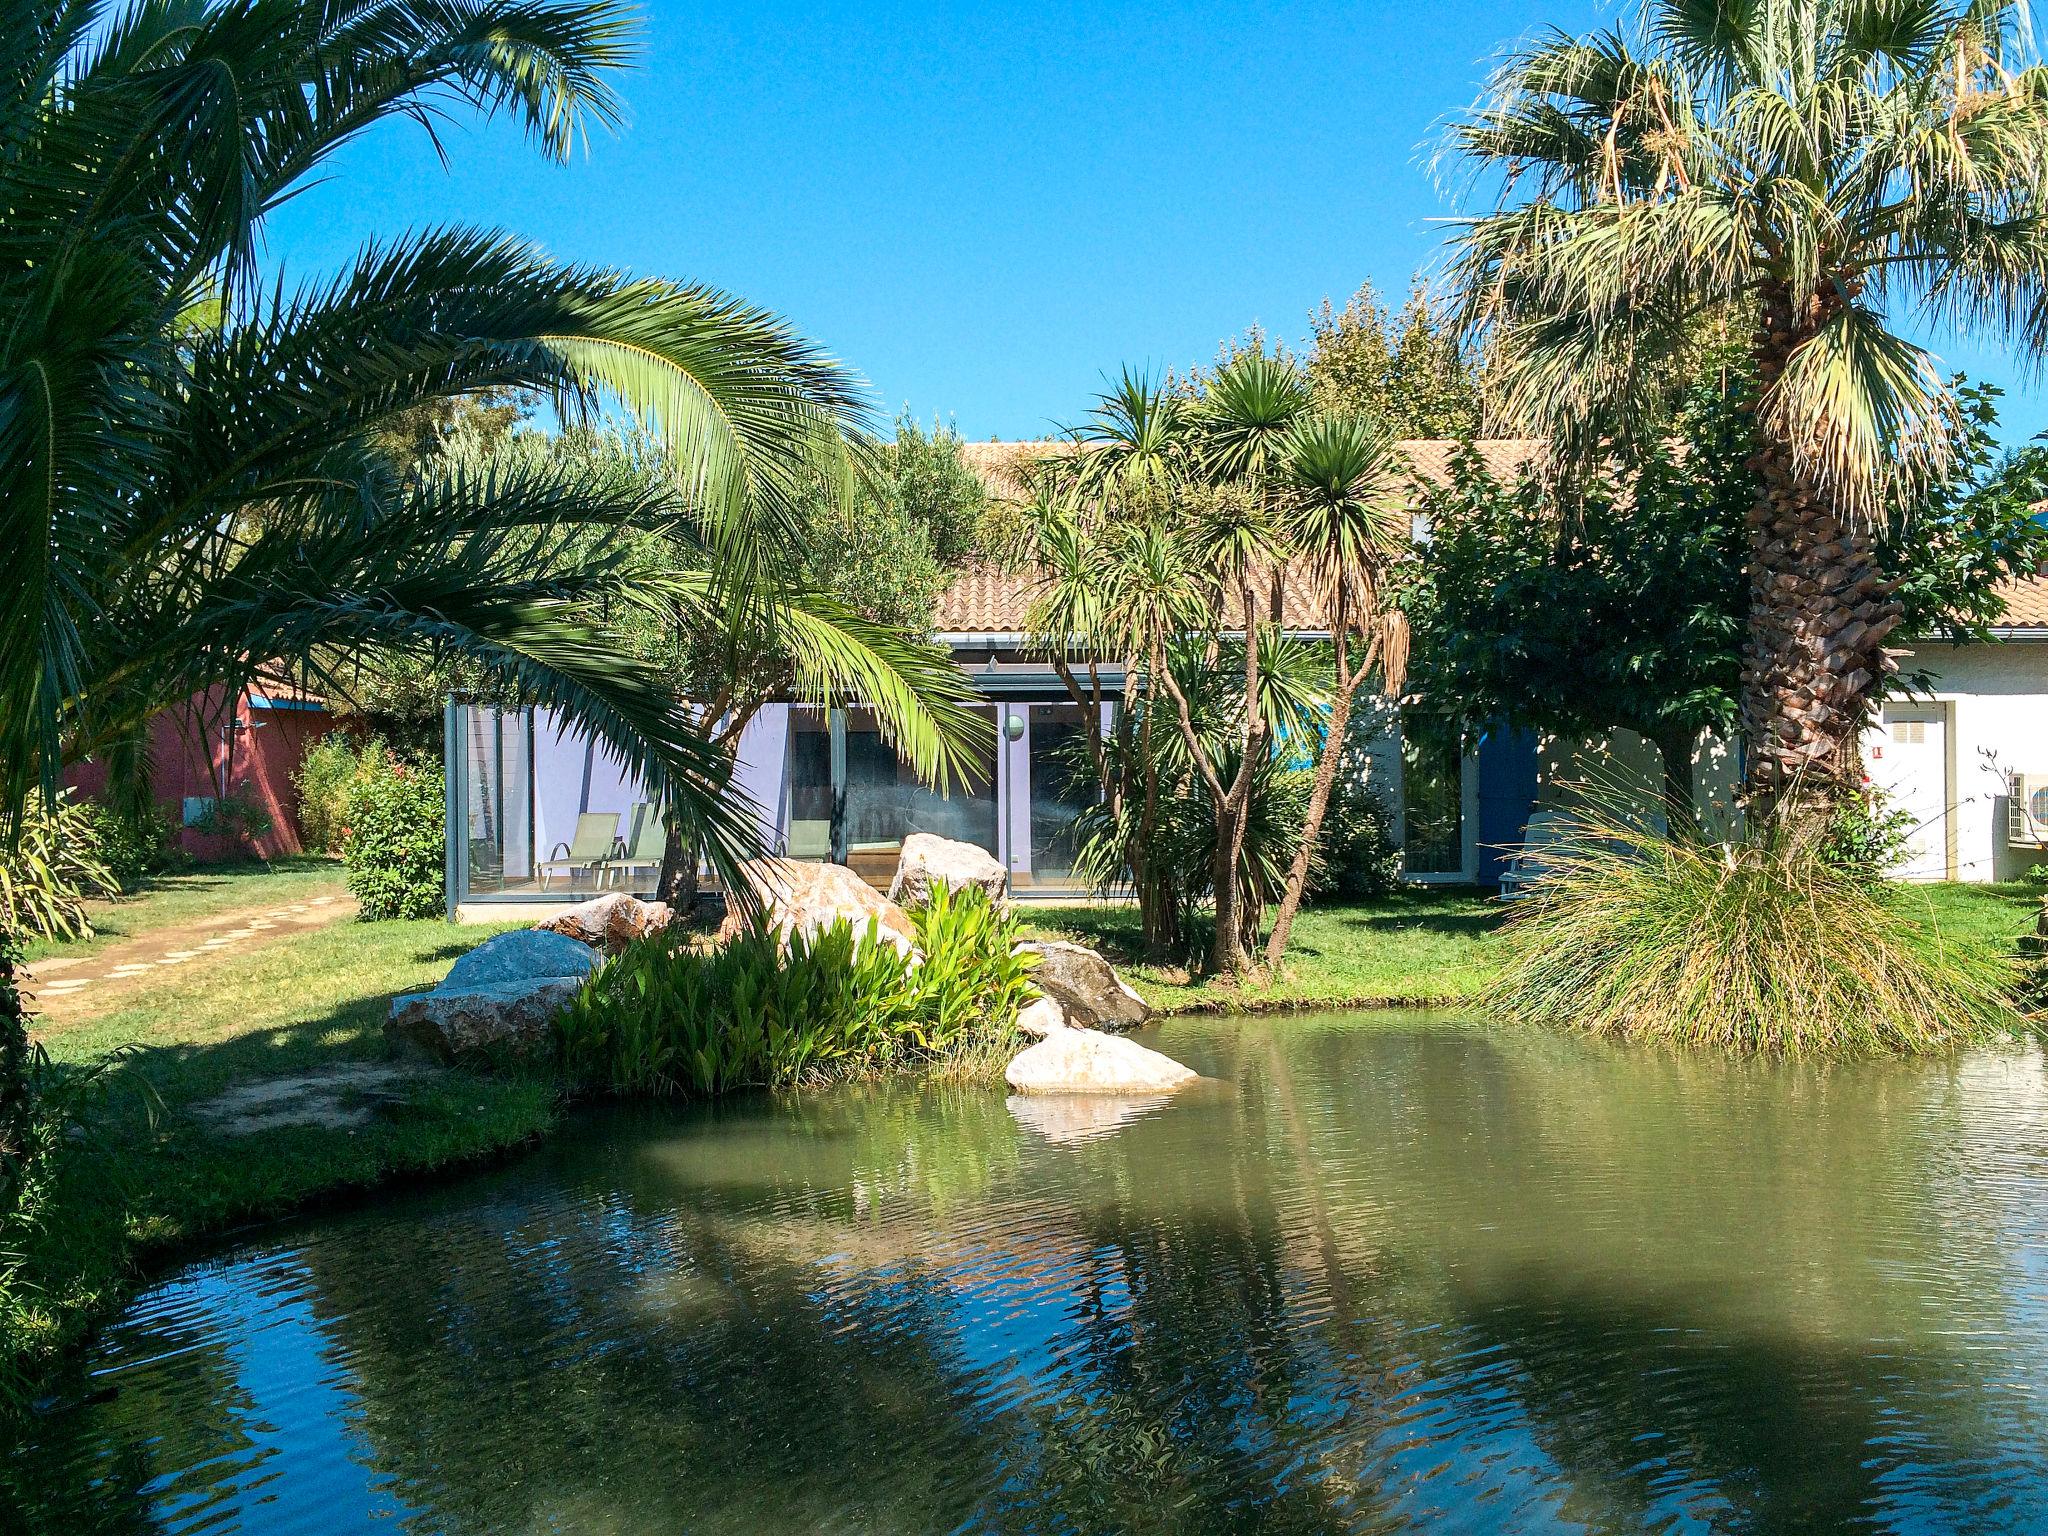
[(985, 599), (2026, 603)]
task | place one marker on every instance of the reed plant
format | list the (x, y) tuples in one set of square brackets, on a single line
[(1764, 943), (664, 1018)]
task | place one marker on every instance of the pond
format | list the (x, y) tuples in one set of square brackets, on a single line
[(1390, 1272)]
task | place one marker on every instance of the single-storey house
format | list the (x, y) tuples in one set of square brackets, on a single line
[(537, 812)]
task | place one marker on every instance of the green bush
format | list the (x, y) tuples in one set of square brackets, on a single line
[(393, 842), (663, 1018), (1760, 945), (1868, 834), (135, 847), (330, 770), (56, 863), (1359, 857)]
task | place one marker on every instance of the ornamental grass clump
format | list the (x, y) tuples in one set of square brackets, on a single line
[(1763, 944)]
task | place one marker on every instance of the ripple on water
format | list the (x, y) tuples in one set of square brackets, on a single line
[(1400, 1274)]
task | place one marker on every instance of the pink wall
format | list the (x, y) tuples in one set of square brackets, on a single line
[(215, 744)]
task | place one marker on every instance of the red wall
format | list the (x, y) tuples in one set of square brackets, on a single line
[(191, 755)]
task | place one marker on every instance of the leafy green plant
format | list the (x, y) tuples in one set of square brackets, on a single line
[(236, 815), (666, 1018), (1360, 858), (393, 847), (1765, 944), (327, 773), (133, 847), (1868, 834), (56, 863)]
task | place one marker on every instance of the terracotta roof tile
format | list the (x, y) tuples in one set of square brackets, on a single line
[(2026, 603), (987, 600)]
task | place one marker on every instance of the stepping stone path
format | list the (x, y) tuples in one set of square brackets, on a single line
[(68, 987)]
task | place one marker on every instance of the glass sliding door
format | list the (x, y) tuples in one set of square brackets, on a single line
[(1061, 786), (810, 785), (1432, 795), (496, 805), (851, 798)]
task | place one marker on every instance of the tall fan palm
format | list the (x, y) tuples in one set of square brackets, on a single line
[(1814, 167), (186, 468)]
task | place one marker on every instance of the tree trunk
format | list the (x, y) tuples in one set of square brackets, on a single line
[(1312, 829), (1227, 955), (1675, 746), (677, 884), (1820, 611)]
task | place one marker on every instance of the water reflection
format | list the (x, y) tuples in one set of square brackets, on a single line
[(1399, 1273)]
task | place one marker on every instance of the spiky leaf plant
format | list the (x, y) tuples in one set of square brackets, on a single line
[(1765, 944)]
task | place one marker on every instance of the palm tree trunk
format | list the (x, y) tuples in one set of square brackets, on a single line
[(1820, 610), (1318, 806), (677, 883)]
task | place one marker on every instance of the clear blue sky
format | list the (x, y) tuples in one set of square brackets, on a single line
[(984, 212)]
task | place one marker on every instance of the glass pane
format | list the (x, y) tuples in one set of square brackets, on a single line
[(498, 812), (885, 803), (1062, 786), (1433, 795), (810, 785)]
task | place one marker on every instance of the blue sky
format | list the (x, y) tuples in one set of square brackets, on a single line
[(985, 211)]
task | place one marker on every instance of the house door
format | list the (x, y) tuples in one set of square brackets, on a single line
[(1907, 758)]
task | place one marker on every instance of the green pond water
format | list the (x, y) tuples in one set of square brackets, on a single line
[(1389, 1272)]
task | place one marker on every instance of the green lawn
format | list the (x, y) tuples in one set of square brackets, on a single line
[(170, 901), (146, 1176), (1421, 946)]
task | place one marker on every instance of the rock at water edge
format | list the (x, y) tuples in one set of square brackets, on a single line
[(1087, 1061), (1086, 986)]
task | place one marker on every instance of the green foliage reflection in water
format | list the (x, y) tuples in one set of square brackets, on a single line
[(662, 1018), (1763, 944)]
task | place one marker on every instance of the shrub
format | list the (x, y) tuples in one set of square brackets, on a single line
[(236, 816), (1359, 855), (663, 1018), (55, 864), (135, 847), (393, 847), (1758, 945), (330, 769), (1868, 835)]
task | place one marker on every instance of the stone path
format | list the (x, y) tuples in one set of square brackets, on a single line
[(69, 987)]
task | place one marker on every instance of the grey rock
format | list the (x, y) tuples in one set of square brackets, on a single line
[(928, 861), (519, 956), (1086, 986), (485, 1022)]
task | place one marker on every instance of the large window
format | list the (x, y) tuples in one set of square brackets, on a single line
[(1432, 794), (1062, 787), (497, 799), (851, 798)]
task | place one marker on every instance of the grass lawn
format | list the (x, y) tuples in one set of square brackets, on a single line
[(170, 901), (1416, 947), (1432, 946), (147, 1175)]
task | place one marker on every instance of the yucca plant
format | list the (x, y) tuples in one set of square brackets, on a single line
[(1763, 944)]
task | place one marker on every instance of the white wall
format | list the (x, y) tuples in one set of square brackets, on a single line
[(1996, 699), (1622, 771)]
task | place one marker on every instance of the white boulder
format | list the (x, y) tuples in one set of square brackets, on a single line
[(798, 896), (609, 922), (928, 862), (1037, 1020), (1088, 1061)]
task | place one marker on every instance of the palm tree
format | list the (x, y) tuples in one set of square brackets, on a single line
[(187, 464), (1808, 170), (1347, 524)]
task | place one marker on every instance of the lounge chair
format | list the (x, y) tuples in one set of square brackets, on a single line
[(1526, 864), (596, 840), (646, 842)]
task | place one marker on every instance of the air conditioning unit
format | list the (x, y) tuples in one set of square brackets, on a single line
[(2027, 813)]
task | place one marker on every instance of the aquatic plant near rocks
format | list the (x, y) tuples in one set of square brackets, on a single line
[(665, 1018), (1764, 944)]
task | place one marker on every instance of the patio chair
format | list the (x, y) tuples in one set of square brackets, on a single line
[(596, 839), (1526, 864), (646, 841)]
